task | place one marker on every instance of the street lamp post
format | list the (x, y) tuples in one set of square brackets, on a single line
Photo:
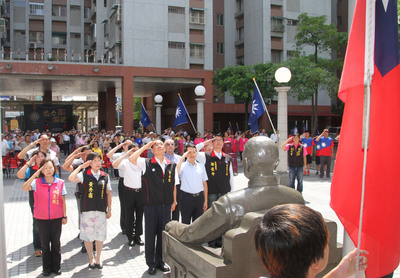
[(282, 75), (200, 91), (158, 99)]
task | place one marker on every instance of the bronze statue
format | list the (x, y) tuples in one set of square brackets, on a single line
[(260, 156)]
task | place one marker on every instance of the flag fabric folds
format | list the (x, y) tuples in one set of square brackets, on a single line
[(381, 226), (257, 109), (145, 119), (180, 114)]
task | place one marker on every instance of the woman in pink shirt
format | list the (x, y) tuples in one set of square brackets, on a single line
[(49, 212), (198, 139), (242, 141), (181, 143)]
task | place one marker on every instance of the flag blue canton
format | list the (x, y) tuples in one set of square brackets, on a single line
[(386, 45), (180, 114), (145, 119), (257, 109)]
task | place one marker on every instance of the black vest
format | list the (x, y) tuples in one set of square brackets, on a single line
[(295, 156), (93, 192), (158, 187), (218, 173)]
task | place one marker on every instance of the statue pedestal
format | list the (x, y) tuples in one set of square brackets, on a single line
[(238, 259)]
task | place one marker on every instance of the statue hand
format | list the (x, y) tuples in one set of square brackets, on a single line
[(170, 224)]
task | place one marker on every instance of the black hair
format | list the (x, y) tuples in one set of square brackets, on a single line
[(289, 239), (190, 145), (92, 156)]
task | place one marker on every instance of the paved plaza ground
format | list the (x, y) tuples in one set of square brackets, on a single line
[(119, 259)]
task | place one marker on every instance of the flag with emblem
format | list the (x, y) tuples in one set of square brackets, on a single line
[(180, 114), (379, 60), (145, 119), (257, 109)]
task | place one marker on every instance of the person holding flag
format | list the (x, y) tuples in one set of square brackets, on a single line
[(365, 191)]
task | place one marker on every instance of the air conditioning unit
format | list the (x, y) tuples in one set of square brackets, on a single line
[(32, 45)]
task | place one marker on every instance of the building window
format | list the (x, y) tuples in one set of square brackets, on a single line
[(239, 5), (197, 51), (240, 61), (19, 32), (240, 34), (86, 39), (176, 10), (276, 56), (19, 3), (339, 20), (220, 48), (277, 25), (75, 35), (292, 22), (86, 12), (220, 19), (197, 17), (36, 8), (37, 37), (176, 45), (59, 38), (59, 10)]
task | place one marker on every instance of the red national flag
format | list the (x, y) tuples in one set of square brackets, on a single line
[(381, 221)]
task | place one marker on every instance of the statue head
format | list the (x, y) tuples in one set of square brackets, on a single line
[(260, 156)]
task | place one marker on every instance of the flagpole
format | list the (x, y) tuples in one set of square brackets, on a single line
[(187, 114), (368, 72), (266, 110)]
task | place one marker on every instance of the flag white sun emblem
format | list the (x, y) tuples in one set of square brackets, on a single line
[(34, 117), (254, 107), (178, 112)]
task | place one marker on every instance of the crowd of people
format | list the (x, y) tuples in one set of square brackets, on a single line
[(160, 177)]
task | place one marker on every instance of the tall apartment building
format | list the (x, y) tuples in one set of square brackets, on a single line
[(153, 33), (252, 32), (47, 30), (167, 35)]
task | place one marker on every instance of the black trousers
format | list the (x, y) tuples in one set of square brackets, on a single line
[(36, 237), (175, 213), (191, 206), (155, 219), (50, 233), (121, 192), (133, 207), (66, 147)]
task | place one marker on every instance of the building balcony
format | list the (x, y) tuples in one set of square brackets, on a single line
[(239, 14), (239, 42)]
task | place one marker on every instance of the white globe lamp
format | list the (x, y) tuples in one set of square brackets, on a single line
[(283, 75), (200, 91)]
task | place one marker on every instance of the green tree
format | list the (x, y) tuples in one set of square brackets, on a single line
[(318, 73), (238, 82)]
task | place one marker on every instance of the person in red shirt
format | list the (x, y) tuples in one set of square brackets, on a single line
[(308, 144), (325, 146)]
